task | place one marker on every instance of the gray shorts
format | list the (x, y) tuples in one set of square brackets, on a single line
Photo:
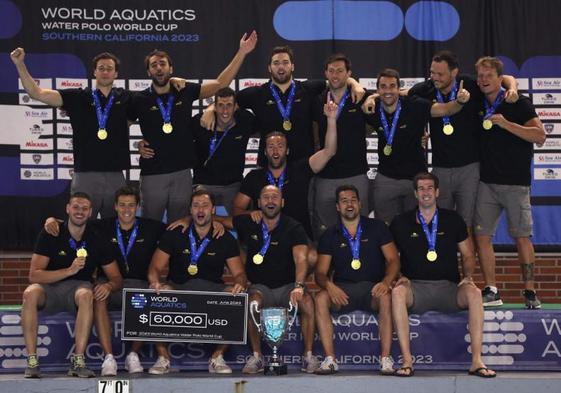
[(59, 296), (199, 284), (391, 197), (360, 296), (492, 199), (437, 295), (458, 189), (116, 298), (224, 194), (325, 213), (273, 297), (169, 192), (101, 187)]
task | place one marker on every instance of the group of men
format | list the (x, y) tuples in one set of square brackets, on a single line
[(301, 211)]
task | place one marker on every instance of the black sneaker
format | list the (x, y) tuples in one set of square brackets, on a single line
[(78, 367), (532, 301), (490, 298), (32, 370)]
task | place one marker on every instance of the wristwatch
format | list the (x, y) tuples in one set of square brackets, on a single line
[(299, 284)]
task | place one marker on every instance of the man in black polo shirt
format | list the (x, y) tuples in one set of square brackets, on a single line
[(61, 273), (286, 105), (100, 132), (292, 178), (428, 239), (196, 262), (455, 139), (132, 241), (164, 115), (507, 137), (221, 152), (276, 266), (349, 165), (356, 267), (400, 123)]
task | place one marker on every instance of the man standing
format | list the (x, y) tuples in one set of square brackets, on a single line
[(400, 124), (60, 273), (292, 178), (276, 266), (349, 165), (221, 152), (428, 239), (196, 262), (357, 265), (507, 137), (164, 115), (455, 139), (100, 132)]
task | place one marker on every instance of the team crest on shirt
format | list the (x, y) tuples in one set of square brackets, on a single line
[(298, 100), (255, 237), (186, 251), (238, 137), (62, 253), (274, 243), (342, 245), (440, 233), (179, 103), (139, 241), (117, 103), (114, 240), (211, 254), (352, 110), (403, 126), (364, 240), (414, 234), (270, 102), (154, 108)]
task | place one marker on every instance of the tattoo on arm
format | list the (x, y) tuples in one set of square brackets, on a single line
[(527, 271)]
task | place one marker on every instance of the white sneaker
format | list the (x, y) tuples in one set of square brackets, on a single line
[(310, 364), (386, 365), (254, 365), (328, 366), (217, 365), (162, 366), (132, 363), (109, 366)]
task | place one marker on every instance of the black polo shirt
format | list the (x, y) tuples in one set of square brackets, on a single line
[(408, 156), (413, 245), (227, 164), (350, 158), (92, 154), (61, 255), (294, 192), (148, 235), (506, 158), (174, 151), (462, 147), (375, 234), (211, 262), (278, 267), (261, 101)]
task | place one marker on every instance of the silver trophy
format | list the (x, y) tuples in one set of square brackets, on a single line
[(274, 325)]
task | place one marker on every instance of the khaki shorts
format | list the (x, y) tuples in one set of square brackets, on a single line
[(437, 295), (59, 296), (492, 199)]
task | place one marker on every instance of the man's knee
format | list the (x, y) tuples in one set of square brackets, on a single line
[(399, 294), (33, 295), (322, 301), (306, 305), (84, 297)]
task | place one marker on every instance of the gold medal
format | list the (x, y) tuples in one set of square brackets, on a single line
[(81, 253), (487, 124), (102, 134), (192, 269), (448, 129), (432, 255), (387, 150), (287, 125), (355, 264), (167, 128), (258, 259)]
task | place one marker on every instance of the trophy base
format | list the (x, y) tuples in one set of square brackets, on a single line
[(276, 369)]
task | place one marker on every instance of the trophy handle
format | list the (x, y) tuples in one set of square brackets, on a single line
[(254, 306), (290, 307)]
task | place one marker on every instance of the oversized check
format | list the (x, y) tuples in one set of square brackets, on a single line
[(192, 316)]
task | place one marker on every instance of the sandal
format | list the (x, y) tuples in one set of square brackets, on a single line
[(406, 372), (480, 372)]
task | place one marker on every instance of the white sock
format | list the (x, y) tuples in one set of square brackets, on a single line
[(493, 289)]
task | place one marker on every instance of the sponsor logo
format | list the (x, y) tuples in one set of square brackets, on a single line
[(549, 114), (547, 158), (38, 114), (36, 144), (371, 173), (547, 173), (251, 159), (253, 144), (368, 83), (65, 129), (552, 128), (372, 143), (36, 174), (36, 158), (244, 83), (546, 98), (138, 300), (407, 83), (502, 338), (67, 83), (550, 144), (546, 83), (139, 84), (372, 158)]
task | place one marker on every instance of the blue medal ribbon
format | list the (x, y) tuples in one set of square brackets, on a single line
[(196, 252), (165, 110), (215, 142), (431, 236), (276, 182), (75, 246), (266, 239), (284, 110), (390, 133), (354, 244), (102, 114), (490, 109), (341, 103), (452, 97), (125, 252)]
